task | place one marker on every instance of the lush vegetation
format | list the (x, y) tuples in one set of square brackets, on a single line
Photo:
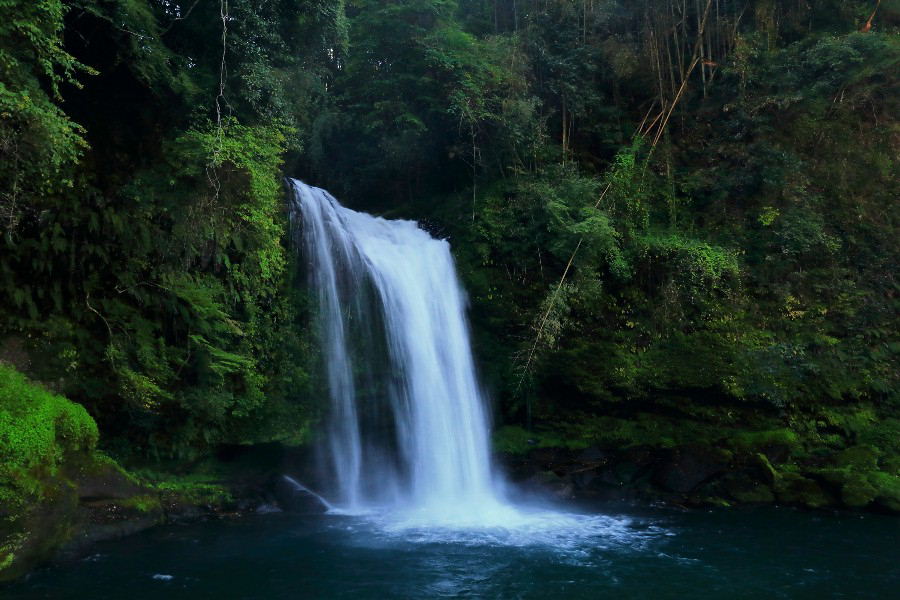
[(40, 434), (38, 431), (676, 219)]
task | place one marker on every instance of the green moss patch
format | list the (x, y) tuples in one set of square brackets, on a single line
[(760, 440), (857, 458), (792, 488), (42, 435), (38, 431), (518, 441)]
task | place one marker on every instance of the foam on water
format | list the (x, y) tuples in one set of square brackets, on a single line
[(570, 538)]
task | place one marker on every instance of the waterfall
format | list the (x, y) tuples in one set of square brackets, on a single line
[(408, 424)]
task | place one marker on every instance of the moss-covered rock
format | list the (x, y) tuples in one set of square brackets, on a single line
[(857, 491), (43, 437), (39, 431), (793, 488), (774, 444), (747, 489), (818, 456), (764, 468), (57, 490), (887, 490), (857, 458)]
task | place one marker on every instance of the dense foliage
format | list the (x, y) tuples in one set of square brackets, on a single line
[(37, 430), (40, 434), (143, 255), (659, 207)]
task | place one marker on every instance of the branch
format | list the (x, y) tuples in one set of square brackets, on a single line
[(868, 26), (668, 115)]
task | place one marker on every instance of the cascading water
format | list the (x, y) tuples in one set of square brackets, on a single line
[(408, 443), (396, 341)]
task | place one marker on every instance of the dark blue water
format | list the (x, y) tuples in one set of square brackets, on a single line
[(771, 553)]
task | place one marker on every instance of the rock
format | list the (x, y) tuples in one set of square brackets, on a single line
[(858, 458), (104, 479), (688, 467), (747, 489), (594, 455), (857, 492), (792, 488), (887, 488), (548, 483), (764, 469), (583, 478), (39, 531), (552, 459)]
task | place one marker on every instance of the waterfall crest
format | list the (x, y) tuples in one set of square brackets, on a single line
[(408, 423)]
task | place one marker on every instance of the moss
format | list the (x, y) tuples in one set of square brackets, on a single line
[(857, 458), (883, 434), (753, 493), (833, 456), (8, 549), (518, 441), (759, 440), (887, 489), (195, 489), (643, 429), (857, 491), (42, 437), (195, 493), (145, 503), (793, 488), (770, 474), (101, 463), (717, 501), (38, 431), (513, 440), (891, 465), (851, 420)]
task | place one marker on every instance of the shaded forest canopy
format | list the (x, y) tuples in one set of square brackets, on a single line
[(678, 207)]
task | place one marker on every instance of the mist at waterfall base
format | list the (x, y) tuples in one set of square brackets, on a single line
[(408, 442)]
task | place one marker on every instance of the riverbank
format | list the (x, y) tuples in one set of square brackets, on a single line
[(92, 499), (59, 494), (843, 457)]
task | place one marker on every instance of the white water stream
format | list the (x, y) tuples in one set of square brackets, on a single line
[(408, 441), (388, 287)]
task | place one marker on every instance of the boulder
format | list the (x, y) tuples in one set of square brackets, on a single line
[(793, 488)]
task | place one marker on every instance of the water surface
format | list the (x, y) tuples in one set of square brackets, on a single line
[(764, 553)]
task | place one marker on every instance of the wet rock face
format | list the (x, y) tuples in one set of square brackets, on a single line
[(686, 468), (106, 483), (549, 485)]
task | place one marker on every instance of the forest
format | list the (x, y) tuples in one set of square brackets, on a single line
[(676, 222)]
